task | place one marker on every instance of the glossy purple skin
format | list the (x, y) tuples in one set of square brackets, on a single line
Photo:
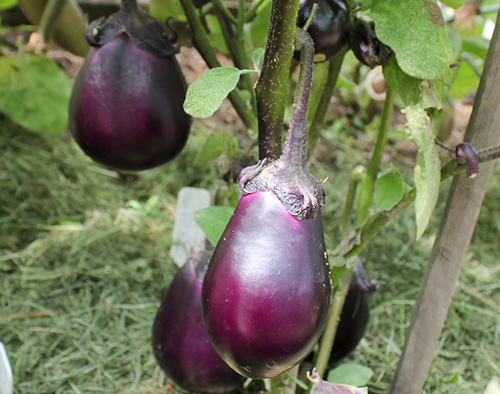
[(329, 28), (181, 344), (267, 290), (126, 107)]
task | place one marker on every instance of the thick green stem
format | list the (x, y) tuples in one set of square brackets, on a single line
[(368, 182), (202, 45), (272, 86), (49, 16), (379, 220), (318, 120)]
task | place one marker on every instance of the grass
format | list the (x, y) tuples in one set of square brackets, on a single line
[(85, 259)]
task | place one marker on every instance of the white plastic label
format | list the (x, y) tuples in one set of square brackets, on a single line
[(187, 234), (6, 379)]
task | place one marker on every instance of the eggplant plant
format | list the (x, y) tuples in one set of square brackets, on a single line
[(180, 342), (126, 106), (267, 291)]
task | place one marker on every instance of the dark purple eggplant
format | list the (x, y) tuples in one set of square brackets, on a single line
[(353, 321), (366, 46), (329, 27), (126, 110), (180, 342), (267, 290)]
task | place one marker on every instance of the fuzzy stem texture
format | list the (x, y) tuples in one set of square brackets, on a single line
[(271, 89), (294, 152)]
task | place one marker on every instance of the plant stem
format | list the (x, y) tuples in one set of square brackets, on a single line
[(271, 87), (225, 12), (253, 10), (326, 343), (202, 45), (356, 175), (378, 221), (326, 95), (368, 181), (294, 152), (49, 16), (129, 4)]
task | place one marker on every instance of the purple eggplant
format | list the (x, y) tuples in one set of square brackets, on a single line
[(267, 290), (366, 46), (180, 342), (329, 27), (126, 109)]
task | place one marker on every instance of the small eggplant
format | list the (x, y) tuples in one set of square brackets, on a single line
[(329, 27), (180, 342), (126, 106), (366, 46), (267, 290)]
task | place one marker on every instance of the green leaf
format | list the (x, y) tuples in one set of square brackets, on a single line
[(215, 36), (215, 145), (34, 93), (6, 4), (162, 9), (257, 56), (213, 221), (205, 95), (350, 374), (416, 31), (389, 189), (428, 168)]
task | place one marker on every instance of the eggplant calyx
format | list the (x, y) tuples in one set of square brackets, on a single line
[(295, 187), (288, 177), (144, 30)]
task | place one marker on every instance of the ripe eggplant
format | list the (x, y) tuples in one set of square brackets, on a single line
[(366, 46), (126, 106), (180, 342), (267, 290), (329, 27)]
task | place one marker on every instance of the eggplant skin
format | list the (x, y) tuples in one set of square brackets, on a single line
[(267, 290), (329, 28), (181, 344), (126, 109), (353, 322)]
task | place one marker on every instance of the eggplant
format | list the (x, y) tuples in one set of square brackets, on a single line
[(180, 342), (267, 291), (353, 321), (126, 108), (329, 27), (366, 46)]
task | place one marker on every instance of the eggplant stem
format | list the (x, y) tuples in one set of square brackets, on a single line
[(295, 150), (129, 4)]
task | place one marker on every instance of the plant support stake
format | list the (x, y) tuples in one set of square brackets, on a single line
[(453, 238)]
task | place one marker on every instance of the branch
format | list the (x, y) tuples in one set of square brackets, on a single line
[(378, 221)]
